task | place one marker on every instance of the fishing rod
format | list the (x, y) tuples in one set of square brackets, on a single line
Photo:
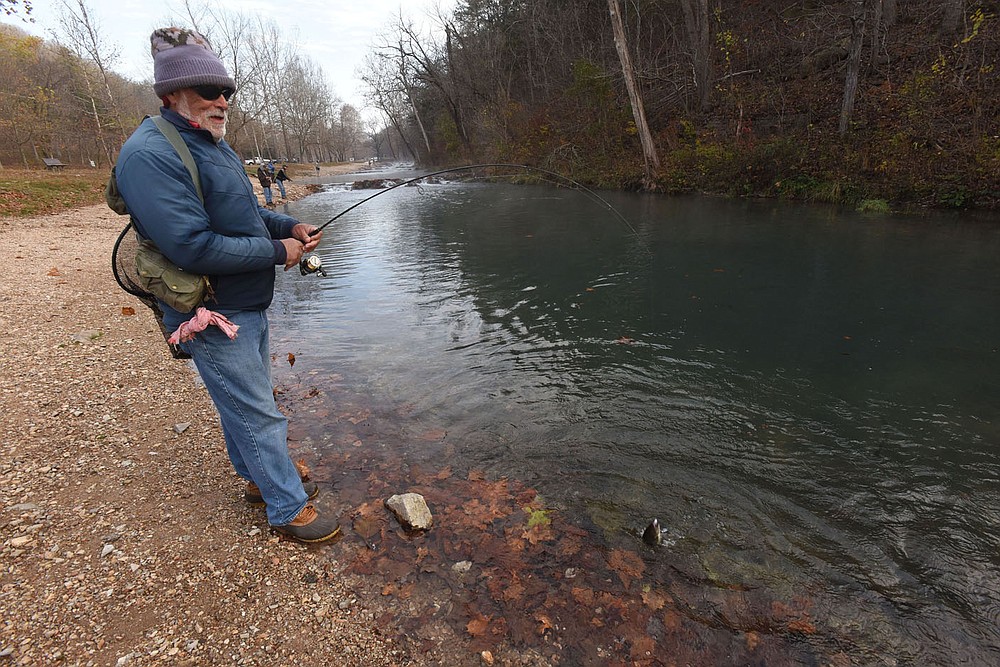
[(580, 186), (313, 264)]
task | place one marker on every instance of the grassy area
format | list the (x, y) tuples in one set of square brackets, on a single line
[(29, 192)]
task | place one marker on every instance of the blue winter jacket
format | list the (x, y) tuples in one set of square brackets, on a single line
[(231, 238)]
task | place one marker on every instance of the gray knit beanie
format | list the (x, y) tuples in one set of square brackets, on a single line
[(184, 58)]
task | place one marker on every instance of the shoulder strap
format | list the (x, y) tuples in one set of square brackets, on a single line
[(174, 137)]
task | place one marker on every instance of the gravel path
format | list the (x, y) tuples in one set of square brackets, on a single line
[(123, 533)]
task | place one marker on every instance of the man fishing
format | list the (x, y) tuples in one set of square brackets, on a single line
[(237, 243)]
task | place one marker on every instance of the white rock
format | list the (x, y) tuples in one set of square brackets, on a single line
[(411, 510)]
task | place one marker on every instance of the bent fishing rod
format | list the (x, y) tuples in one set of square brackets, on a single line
[(593, 195)]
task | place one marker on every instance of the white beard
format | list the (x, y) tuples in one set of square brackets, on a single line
[(184, 108)]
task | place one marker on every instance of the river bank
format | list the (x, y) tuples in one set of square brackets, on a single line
[(125, 538)]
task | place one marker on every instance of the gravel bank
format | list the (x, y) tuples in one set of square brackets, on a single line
[(123, 532)]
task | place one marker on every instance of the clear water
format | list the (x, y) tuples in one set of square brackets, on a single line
[(806, 398)]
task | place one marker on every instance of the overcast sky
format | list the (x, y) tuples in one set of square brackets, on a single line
[(335, 34)]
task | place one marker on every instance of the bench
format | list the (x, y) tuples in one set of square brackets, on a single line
[(53, 163)]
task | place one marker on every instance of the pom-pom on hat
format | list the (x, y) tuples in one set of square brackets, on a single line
[(183, 58)]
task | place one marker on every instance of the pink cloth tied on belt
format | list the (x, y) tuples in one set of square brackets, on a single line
[(203, 318)]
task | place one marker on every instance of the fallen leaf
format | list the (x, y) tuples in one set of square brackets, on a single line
[(54, 272), (627, 564), (802, 626), (537, 534), (433, 435), (643, 647), (487, 657), (477, 626), (128, 310), (513, 591), (584, 596), (653, 599), (291, 359), (544, 623)]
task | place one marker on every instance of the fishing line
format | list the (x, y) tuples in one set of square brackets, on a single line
[(583, 188)]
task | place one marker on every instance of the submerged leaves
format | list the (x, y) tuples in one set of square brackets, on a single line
[(519, 574)]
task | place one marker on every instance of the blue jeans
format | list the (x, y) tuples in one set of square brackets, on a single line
[(237, 374), (267, 195), (281, 188)]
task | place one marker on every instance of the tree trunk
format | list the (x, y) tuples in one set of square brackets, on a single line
[(889, 13), (651, 159), (696, 22), (853, 65), (954, 10), (408, 88)]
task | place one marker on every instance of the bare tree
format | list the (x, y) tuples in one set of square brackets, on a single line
[(951, 20), (650, 158), (859, 9), (306, 103), (348, 133), (233, 36), (700, 36), (435, 69), (82, 31), (889, 14), (385, 94)]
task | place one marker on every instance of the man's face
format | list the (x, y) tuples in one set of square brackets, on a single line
[(208, 114)]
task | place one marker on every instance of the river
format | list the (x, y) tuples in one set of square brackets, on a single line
[(805, 397)]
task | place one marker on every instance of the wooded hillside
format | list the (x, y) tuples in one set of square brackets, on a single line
[(875, 103), (860, 101), (63, 98)]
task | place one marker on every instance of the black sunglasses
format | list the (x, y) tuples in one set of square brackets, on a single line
[(211, 93)]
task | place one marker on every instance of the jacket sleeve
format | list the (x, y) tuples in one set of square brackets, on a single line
[(162, 200), (279, 225)]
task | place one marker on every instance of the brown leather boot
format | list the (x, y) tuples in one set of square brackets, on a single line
[(253, 496), (309, 526)]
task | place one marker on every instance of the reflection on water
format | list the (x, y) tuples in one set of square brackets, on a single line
[(805, 398)]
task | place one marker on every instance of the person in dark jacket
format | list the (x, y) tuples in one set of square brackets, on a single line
[(280, 179), (235, 242), (265, 182)]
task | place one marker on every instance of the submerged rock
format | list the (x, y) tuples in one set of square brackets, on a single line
[(652, 535), (411, 510), (374, 183)]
